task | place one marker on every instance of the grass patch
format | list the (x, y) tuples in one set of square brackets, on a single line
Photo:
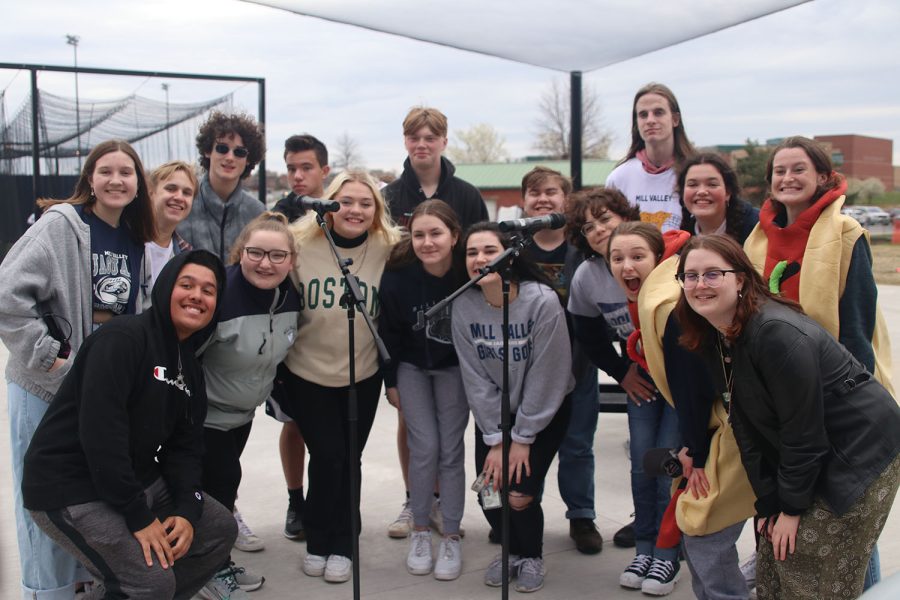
[(886, 261), (886, 200)]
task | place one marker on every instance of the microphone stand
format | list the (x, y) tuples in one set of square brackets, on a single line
[(352, 299), (501, 265)]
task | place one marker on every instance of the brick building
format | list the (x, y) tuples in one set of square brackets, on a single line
[(862, 157)]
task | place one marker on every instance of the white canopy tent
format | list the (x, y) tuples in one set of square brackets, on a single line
[(573, 36)]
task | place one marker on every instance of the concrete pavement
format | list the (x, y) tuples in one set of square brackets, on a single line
[(570, 575)]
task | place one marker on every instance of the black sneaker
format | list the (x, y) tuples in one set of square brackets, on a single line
[(624, 537), (634, 574), (661, 578), (293, 525), (587, 539)]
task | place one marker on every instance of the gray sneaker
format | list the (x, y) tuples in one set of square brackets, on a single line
[(247, 580), (530, 577), (223, 587), (494, 574)]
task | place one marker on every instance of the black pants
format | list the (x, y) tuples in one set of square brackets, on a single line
[(222, 464), (526, 527), (321, 414)]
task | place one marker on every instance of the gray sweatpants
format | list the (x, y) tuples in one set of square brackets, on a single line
[(96, 535), (436, 413), (713, 561)]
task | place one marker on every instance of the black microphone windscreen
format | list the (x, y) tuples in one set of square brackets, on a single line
[(661, 462)]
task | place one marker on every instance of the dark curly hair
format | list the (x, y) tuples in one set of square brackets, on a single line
[(598, 200), (734, 216), (220, 125)]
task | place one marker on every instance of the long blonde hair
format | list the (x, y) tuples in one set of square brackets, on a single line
[(382, 224)]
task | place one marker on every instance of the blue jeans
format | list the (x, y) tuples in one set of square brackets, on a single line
[(48, 571), (650, 425), (873, 572), (575, 475)]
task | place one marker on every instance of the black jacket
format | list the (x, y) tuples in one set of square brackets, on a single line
[(403, 293), (808, 418), (404, 194), (123, 418)]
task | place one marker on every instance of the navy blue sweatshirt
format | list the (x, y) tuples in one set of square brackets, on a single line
[(404, 292)]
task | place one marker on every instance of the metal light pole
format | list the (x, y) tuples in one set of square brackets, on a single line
[(165, 87), (73, 40)]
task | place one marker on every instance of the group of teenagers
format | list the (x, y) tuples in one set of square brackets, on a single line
[(748, 341)]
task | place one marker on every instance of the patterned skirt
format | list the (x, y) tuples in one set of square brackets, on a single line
[(832, 552)]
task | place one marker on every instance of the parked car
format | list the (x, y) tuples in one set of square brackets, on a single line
[(857, 213), (895, 214), (875, 215)]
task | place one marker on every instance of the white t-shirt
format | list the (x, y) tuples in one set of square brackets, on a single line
[(654, 195), (157, 256)]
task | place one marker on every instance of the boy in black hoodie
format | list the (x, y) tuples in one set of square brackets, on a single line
[(114, 469)]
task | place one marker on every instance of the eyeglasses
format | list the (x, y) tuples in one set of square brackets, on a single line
[(238, 151), (588, 228), (713, 279), (276, 257)]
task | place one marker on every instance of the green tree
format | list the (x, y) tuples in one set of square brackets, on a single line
[(751, 172)]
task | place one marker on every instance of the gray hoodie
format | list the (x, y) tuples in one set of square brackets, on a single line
[(540, 365), (47, 270), (214, 224)]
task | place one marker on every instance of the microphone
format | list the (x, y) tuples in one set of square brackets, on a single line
[(320, 206), (662, 462), (551, 221)]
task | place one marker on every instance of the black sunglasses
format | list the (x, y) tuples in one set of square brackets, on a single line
[(238, 151)]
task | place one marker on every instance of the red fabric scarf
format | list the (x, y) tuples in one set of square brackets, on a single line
[(673, 241), (651, 168), (789, 243)]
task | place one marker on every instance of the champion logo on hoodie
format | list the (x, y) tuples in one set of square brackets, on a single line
[(159, 373)]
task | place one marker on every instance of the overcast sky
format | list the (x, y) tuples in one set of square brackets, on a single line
[(826, 67)]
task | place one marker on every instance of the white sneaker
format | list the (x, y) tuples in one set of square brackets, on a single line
[(314, 565), (402, 525), (418, 559), (338, 569), (449, 561), (246, 541), (436, 519)]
